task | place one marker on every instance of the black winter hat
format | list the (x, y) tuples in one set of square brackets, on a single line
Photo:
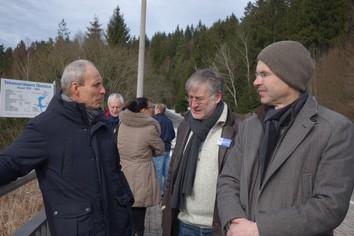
[(290, 61)]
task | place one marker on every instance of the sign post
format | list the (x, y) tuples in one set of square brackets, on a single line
[(25, 99)]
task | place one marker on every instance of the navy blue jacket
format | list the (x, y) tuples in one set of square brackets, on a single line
[(167, 130), (77, 166)]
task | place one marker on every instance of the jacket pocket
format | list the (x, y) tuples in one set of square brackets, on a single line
[(72, 220), (124, 200)]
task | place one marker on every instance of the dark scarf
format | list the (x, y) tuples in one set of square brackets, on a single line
[(187, 167), (274, 121), (92, 115), (113, 121)]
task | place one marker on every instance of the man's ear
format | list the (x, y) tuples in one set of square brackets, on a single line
[(218, 97), (74, 89)]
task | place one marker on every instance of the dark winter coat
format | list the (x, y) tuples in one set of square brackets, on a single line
[(167, 130), (84, 190)]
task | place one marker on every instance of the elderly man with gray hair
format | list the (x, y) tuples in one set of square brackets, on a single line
[(71, 148), (115, 104), (203, 139)]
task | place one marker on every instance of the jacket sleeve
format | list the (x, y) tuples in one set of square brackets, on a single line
[(172, 133), (124, 193), (228, 186), (332, 189), (155, 142), (22, 156)]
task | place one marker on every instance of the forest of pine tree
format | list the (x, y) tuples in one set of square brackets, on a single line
[(229, 46)]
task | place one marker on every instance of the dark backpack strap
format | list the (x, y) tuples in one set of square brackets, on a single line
[(115, 133)]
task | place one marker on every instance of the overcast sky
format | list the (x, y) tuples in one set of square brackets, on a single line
[(35, 20)]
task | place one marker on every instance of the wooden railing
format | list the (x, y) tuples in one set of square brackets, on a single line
[(37, 226), (16, 184)]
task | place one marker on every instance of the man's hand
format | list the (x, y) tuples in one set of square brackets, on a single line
[(242, 227)]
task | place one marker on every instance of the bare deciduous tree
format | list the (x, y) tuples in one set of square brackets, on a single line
[(224, 64)]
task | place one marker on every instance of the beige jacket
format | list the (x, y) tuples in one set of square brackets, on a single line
[(138, 141)]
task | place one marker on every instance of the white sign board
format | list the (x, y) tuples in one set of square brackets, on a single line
[(20, 98)]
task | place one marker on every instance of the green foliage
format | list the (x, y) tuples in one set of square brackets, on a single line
[(230, 46), (5, 61), (63, 31), (319, 24), (117, 30), (94, 31), (10, 129)]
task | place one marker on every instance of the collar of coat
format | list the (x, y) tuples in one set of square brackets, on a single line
[(310, 109), (76, 112), (137, 119)]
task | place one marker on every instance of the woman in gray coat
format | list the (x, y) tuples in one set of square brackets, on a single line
[(138, 141)]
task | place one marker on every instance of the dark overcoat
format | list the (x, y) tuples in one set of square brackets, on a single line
[(84, 190), (167, 130)]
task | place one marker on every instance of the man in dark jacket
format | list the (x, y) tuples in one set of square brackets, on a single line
[(167, 135), (71, 148), (203, 139), (115, 104)]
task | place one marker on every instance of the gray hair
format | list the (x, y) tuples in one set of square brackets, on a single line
[(74, 72), (161, 107), (113, 96), (213, 79)]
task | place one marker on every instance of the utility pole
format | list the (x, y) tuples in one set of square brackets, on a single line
[(140, 83)]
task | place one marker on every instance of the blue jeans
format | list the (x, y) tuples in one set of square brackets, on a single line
[(191, 230), (161, 164)]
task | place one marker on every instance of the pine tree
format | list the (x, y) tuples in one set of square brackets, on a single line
[(63, 31), (94, 31), (117, 30), (320, 23)]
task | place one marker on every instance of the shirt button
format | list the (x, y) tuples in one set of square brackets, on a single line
[(55, 213)]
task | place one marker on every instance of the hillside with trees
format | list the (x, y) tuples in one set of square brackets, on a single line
[(230, 46)]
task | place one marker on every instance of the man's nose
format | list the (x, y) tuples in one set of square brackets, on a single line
[(257, 81), (193, 103), (103, 90)]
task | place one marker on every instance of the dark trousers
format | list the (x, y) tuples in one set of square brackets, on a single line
[(138, 220)]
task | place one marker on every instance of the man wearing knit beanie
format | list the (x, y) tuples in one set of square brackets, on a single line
[(290, 170)]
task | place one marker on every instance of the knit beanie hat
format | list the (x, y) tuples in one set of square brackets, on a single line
[(290, 61)]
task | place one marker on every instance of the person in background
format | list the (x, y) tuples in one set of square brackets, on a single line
[(115, 105), (138, 141), (71, 148), (203, 138), (291, 170), (167, 135)]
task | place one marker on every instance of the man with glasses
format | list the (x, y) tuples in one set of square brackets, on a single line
[(203, 139), (291, 169)]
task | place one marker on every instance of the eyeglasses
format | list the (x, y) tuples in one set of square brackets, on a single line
[(198, 100), (263, 74)]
